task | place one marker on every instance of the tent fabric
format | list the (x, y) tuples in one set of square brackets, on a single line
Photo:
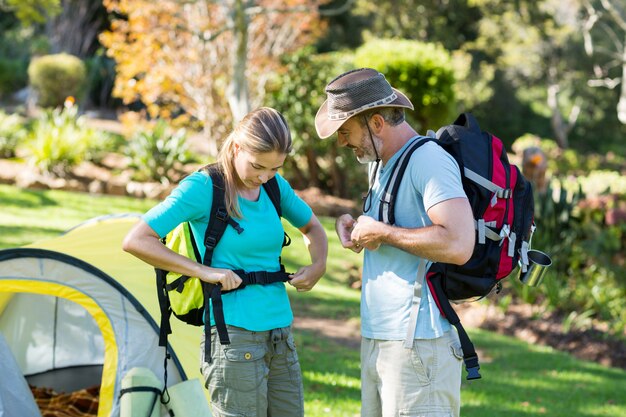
[(16, 398), (78, 300)]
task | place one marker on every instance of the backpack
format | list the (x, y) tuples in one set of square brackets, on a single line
[(503, 209), (188, 297)]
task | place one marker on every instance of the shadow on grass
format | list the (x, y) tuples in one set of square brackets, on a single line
[(25, 198)]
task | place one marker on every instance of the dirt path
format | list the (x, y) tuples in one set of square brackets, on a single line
[(519, 321)]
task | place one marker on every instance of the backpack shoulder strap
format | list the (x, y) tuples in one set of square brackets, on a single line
[(273, 191), (387, 204), (218, 219)]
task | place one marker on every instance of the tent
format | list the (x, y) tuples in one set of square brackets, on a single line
[(77, 311)]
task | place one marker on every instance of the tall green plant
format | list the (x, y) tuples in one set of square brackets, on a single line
[(61, 140), (156, 151), (11, 131)]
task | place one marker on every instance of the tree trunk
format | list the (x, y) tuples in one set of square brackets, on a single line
[(621, 105), (556, 120), (238, 94), (314, 169)]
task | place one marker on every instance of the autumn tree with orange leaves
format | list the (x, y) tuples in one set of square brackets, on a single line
[(208, 59)]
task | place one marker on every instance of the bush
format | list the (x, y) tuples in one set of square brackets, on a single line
[(11, 131), (56, 77), (297, 93), (423, 71), (13, 75), (157, 153), (60, 141)]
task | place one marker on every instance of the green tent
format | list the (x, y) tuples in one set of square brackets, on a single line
[(77, 311)]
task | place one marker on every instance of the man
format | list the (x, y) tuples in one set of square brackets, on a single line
[(410, 360)]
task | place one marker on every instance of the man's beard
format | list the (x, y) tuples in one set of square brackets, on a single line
[(369, 152)]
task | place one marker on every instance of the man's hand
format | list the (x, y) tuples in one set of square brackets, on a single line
[(366, 233), (343, 226)]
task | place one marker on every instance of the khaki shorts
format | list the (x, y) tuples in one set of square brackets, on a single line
[(257, 375), (417, 382)]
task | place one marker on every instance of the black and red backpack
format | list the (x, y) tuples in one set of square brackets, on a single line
[(503, 207)]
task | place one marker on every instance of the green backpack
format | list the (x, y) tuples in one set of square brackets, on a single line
[(187, 297)]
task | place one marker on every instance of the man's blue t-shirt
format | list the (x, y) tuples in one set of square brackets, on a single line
[(432, 176), (257, 248)]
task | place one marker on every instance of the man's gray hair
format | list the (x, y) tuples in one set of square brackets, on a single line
[(392, 115)]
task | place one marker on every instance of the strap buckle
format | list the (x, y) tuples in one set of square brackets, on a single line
[(221, 214)]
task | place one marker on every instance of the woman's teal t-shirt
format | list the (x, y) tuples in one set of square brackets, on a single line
[(257, 248)]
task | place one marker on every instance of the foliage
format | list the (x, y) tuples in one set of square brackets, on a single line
[(450, 23), (13, 75), (298, 92), (100, 80), (587, 274), (188, 56), (32, 11), (11, 132), (420, 70), (60, 140), (155, 152), (56, 77)]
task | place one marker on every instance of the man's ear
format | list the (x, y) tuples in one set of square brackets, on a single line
[(377, 121)]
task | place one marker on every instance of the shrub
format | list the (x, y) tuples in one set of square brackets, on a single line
[(60, 140), (12, 75), (423, 71), (297, 93), (56, 77), (11, 131), (156, 152)]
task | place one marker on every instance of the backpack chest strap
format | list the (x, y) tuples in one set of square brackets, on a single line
[(259, 278)]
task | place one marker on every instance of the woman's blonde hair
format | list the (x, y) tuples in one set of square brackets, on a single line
[(260, 131)]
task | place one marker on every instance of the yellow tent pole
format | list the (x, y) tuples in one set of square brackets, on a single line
[(107, 386)]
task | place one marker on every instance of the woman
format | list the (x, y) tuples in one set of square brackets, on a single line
[(258, 373)]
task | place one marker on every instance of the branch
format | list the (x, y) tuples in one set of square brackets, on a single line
[(325, 12), (609, 83), (615, 14), (587, 26), (337, 11)]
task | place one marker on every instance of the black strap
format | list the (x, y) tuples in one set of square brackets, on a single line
[(218, 221), (155, 390), (164, 305), (469, 353)]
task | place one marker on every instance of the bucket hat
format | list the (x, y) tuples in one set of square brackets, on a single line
[(352, 93)]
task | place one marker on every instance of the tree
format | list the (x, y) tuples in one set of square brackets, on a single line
[(604, 30), (537, 47), (75, 28), (208, 59), (31, 11)]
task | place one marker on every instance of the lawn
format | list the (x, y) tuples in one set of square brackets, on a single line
[(518, 379)]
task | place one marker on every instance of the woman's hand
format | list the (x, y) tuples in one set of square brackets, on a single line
[(225, 277), (306, 277)]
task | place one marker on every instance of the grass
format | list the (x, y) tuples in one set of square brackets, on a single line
[(518, 379)]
